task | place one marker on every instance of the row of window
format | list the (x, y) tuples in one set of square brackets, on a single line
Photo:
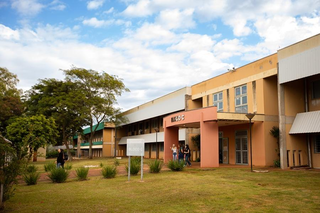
[(145, 127), (241, 100), (154, 147)]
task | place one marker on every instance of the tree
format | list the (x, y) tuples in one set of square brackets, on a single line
[(276, 134), (28, 134), (10, 102), (10, 168), (100, 91), (61, 100)]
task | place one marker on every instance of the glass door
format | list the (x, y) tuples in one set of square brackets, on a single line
[(241, 147)]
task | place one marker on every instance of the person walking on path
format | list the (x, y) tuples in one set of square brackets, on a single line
[(187, 153), (60, 159), (174, 152)]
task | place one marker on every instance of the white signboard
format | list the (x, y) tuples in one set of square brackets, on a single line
[(135, 147)]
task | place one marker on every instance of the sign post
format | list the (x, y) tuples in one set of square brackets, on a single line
[(135, 147)]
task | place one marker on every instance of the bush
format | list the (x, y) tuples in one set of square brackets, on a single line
[(49, 166), (68, 166), (176, 165), (82, 173), (276, 163), (135, 166), (109, 171), (52, 154), (155, 166), (198, 160), (31, 178), (101, 165), (31, 169), (58, 175), (116, 162)]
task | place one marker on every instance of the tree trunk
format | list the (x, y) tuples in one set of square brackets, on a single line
[(1, 197)]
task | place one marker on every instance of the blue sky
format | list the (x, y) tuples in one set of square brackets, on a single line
[(155, 46)]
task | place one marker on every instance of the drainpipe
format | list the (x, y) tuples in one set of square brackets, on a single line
[(307, 110)]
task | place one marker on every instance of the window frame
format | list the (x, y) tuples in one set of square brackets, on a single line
[(241, 97), (218, 101)]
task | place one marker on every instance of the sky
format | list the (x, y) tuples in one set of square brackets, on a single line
[(154, 46)]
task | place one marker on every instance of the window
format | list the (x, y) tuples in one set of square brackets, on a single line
[(317, 144), (218, 101), (154, 147), (161, 147), (241, 102), (316, 89)]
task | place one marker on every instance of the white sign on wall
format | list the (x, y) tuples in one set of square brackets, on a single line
[(135, 147)]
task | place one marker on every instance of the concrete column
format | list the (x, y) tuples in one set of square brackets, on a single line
[(282, 127), (171, 136), (209, 144)]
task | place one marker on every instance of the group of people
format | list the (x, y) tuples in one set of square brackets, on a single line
[(183, 153)]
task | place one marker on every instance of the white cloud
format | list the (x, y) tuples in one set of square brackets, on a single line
[(154, 35), (94, 22), (188, 45), (8, 33), (57, 5), (141, 9), (27, 7), (95, 4), (175, 19), (109, 11)]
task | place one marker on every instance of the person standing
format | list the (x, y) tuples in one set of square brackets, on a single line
[(174, 152), (187, 153), (181, 154), (60, 159)]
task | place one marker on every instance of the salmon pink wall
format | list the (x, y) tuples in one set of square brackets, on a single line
[(207, 118)]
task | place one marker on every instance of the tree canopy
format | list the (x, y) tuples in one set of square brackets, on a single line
[(10, 103), (100, 91), (28, 134)]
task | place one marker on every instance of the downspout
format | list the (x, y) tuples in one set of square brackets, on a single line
[(307, 110)]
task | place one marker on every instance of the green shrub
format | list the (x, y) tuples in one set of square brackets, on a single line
[(135, 166), (116, 162), (198, 160), (101, 165), (58, 175), (136, 159), (52, 154), (68, 166), (109, 171), (31, 178), (276, 163), (49, 166), (82, 173), (31, 169), (155, 166), (176, 165)]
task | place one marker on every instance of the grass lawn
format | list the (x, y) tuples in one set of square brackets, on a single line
[(192, 190)]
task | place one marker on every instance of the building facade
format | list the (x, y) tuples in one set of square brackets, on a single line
[(281, 91), (102, 144), (299, 103)]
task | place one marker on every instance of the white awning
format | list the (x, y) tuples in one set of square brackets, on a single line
[(308, 122)]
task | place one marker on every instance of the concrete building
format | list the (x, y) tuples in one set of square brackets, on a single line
[(281, 90), (299, 103), (103, 141)]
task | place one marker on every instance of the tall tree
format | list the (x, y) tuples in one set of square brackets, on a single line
[(100, 90), (28, 134), (10, 102), (62, 101)]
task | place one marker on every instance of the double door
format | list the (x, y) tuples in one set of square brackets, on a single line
[(242, 149)]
